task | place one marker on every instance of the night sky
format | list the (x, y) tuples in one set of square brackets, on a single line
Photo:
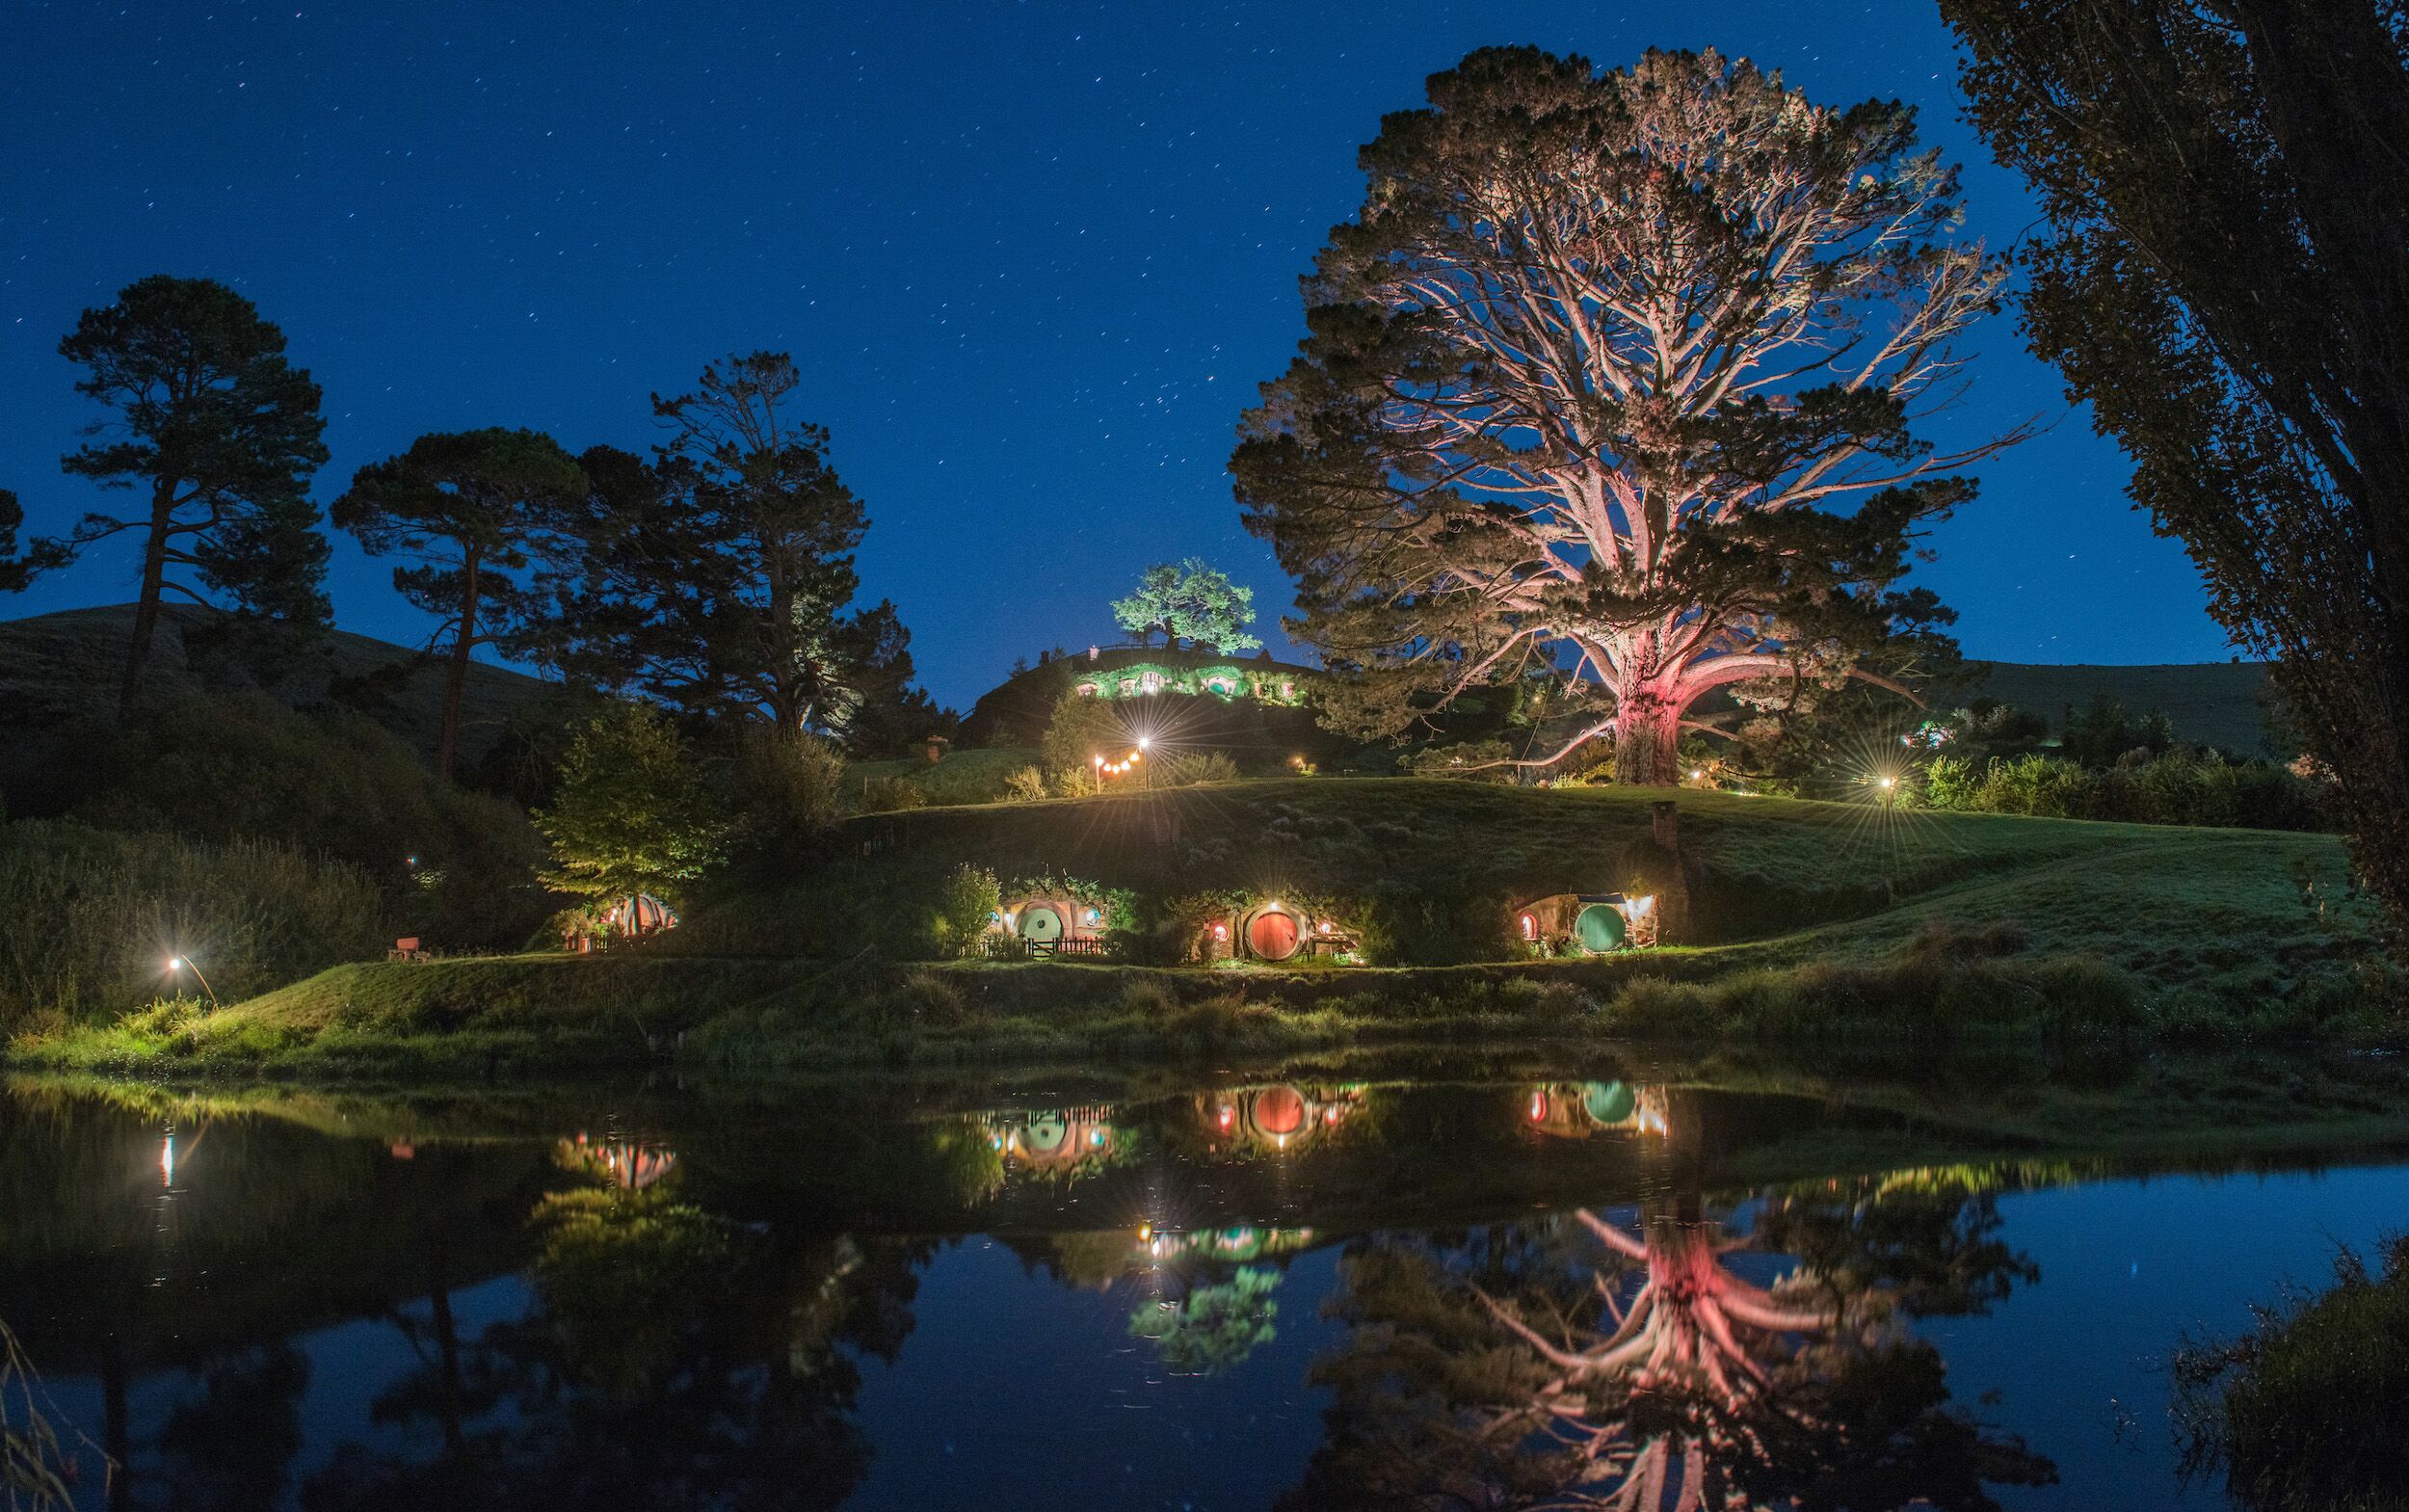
[(1031, 257)]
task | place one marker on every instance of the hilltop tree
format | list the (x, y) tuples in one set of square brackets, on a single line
[(1152, 606), (718, 576), (222, 433), (18, 569), (632, 815), (470, 509), (1584, 378), (1191, 602), (2221, 282)]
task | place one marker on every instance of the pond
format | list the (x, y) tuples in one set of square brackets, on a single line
[(1473, 1286)]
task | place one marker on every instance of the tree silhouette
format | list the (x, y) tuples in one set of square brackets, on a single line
[(221, 431), (471, 510)]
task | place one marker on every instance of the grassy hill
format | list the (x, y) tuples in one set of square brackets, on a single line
[(55, 666), (1817, 923)]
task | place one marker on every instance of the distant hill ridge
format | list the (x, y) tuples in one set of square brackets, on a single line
[(56, 667)]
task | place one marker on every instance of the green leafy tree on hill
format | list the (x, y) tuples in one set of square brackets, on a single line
[(631, 814), (222, 433), (472, 510), (1191, 602)]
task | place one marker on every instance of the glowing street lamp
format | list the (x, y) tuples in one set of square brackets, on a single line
[(182, 964)]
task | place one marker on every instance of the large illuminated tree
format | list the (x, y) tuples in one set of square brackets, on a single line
[(1611, 381)]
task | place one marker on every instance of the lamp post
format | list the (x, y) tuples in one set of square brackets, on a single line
[(183, 964)]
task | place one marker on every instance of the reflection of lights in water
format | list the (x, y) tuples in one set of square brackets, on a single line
[(166, 1159), (1538, 1107)]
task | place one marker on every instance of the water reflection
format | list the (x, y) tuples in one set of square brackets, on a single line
[(1544, 1292), (1680, 1354)]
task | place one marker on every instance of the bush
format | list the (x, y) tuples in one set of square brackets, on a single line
[(964, 909), (1024, 785), (789, 788), (891, 795), (99, 912), (1188, 769), (1407, 925), (2172, 786)]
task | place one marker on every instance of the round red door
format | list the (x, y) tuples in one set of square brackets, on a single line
[(1272, 937)]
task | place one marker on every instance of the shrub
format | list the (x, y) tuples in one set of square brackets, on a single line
[(966, 907), (1188, 769), (891, 795), (1024, 785), (1409, 924), (789, 788), (99, 912)]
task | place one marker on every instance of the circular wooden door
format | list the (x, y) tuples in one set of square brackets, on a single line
[(1600, 928), (1040, 923), (1272, 935)]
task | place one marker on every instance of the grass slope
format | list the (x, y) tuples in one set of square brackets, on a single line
[(1838, 924)]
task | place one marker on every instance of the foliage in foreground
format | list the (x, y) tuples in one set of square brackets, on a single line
[(2218, 281), (2304, 1412)]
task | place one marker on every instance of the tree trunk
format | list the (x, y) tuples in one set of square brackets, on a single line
[(147, 600), (447, 751), (1646, 740)]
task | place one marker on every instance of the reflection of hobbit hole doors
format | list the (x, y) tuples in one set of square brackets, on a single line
[(1272, 935), (1045, 1133), (1278, 1110), (1600, 928), (1606, 1101), (1041, 924)]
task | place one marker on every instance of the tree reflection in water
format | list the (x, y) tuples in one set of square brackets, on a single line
[(1671, 1363), (669, 1359)]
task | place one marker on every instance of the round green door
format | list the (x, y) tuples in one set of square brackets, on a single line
[(1607, 1102), (1600, 928), (1040, 923), (1046, 1133)]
